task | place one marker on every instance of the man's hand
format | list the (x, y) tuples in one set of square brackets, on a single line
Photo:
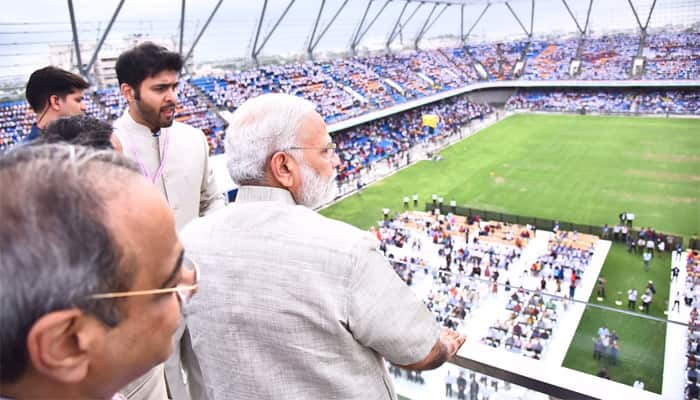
[(445, 348), (452, 341)]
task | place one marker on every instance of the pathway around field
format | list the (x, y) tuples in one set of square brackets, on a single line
[(676, 338), (566, 328)]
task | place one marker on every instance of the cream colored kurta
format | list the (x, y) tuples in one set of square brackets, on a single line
[(187, 180), (188, 183)]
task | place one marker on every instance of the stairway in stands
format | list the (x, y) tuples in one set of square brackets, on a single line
[(211, 106)]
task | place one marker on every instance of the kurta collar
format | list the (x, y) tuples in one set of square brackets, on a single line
[(131, 127), (247, 194)]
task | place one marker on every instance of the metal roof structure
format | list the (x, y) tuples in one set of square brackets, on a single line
[(425, 13)]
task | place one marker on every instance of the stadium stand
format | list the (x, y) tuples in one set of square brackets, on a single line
[(673, 55), (349, 87), (361, 146), (608, 101)]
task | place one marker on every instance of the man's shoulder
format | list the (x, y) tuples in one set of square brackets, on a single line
[(285, 220), (186, 133), (181, 126)]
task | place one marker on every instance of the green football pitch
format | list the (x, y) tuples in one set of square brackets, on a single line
[(581, 169), (571, 168)]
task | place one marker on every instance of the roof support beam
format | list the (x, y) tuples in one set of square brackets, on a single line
[(104, 36), (76, 43), (516, 18), (422, 29), (358, 38), (396, 25), (182, 26), (469, 32), (642, 28), (257, 32), (571, 13), (636, 16), (582, 31), (359, 27), (399, 31), (256, 51), (430, 25), (309, 48), (201, 32), (532, 19), (312, 43)]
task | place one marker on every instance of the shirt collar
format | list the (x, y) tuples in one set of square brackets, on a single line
[(248, 194), (133, 127)]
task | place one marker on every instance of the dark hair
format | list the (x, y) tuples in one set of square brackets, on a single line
[(80, 130), (144, 61), (51, 81), (55, 245)]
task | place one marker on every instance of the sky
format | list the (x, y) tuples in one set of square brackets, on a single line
[(34, 29)]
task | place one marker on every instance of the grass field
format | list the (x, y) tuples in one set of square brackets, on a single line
[(577, 169), (642, 341), (572, 168)]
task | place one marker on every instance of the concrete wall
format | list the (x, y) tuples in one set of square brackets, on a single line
[(496, 97)]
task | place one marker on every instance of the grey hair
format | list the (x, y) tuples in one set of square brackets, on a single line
[(55, 246), (260, 127)]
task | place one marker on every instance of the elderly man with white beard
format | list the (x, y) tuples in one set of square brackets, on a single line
[(294, 305)]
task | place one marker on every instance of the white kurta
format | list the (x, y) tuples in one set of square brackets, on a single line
[(187, 180)]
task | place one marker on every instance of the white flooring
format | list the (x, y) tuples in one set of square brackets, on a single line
[(676, 338), (492, 305)]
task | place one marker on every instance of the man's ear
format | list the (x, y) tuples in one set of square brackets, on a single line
[(58, 345), (127, 91), (283, 169), (54, 102)]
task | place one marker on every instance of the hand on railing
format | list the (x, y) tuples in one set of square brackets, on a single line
[(452, 341)]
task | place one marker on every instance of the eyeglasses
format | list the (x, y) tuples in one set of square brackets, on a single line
[(328, 150), (184, 292)]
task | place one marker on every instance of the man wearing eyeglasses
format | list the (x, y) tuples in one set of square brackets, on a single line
[(91, 274), (295, 305)]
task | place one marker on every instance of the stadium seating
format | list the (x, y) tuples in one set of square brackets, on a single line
[(608, 101), (361, 146), (347, 87)]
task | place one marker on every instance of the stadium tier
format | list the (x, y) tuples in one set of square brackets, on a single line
[(608, 101), (346, 88)]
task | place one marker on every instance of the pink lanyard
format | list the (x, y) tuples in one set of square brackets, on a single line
[(159, 171)]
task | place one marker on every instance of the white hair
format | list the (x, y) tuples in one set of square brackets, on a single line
[(260, 127), (316, 189)]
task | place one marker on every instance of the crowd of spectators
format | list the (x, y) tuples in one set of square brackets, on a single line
[(527, 324), (692, 299), (461, 256), (347, 87), (468, 259), (659, 102), (552, 60), (608, 57), (673, 55), (361, 146), (568, 255)]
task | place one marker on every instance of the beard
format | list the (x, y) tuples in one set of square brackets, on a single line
[(315, 189), (154, 116)]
